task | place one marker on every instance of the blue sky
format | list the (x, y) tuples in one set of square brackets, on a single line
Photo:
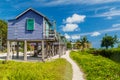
[(75, 18)]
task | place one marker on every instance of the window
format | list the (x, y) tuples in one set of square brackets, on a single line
[(30, 24)]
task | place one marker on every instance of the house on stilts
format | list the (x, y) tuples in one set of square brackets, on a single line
[(33, 27)]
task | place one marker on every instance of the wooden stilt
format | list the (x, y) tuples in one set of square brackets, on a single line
[(62, 50), (12, 50), (59, 50), (47, 49), (8, 50), (25, 50), (43, 50), (36, 50), (53, 50), (17, 49), (50, 50)]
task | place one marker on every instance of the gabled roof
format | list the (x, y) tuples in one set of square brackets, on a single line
[(33, 11)]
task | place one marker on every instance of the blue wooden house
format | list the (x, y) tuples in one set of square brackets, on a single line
[(31, 26)]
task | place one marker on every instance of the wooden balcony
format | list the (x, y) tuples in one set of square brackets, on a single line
[(51, 36)]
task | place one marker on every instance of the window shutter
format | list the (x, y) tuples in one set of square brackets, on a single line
[(30, 24)]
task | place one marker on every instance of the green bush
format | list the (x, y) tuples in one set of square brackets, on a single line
[(113, 54), (58, 69), (96, 67)]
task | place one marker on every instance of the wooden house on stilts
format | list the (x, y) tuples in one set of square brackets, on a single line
[(33, 27)]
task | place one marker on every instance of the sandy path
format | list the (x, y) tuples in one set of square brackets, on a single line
[(77, 74)]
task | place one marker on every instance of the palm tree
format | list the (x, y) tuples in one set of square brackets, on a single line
[(78, 44), (84, 42), (109, 41)]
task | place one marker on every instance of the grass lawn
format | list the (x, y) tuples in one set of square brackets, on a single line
[(96, 67), (58, 69)]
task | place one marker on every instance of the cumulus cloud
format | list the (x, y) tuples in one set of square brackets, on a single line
[(75, 37), (71, 23), (75, 18), (67, 36), (70, 27), (95, 34)]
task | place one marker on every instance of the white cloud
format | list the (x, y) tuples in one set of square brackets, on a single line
[(101, 31), (116, 25), (75, 18), (70, 27), (67, 36), (109, 17), (95, 34), (110, 30), (68, 2), (71, 23), (109, 14), (75, 37)]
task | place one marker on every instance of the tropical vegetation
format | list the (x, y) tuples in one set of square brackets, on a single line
[(3, 33), (108, 41), (58, 69), (96, 67)]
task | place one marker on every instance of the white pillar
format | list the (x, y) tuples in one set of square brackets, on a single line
[(43, 50), (8, 50), (25, 50)]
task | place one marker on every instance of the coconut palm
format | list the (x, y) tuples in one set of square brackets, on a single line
[(84, 42), (78, 44)]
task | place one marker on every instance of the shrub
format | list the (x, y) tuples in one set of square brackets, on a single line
[(96, 67), (113, 54)]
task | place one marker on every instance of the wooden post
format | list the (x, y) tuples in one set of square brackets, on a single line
[(53, 50), (8, 50), (17, 49), (62, 49), (59, 50), (25, 50), (42, 50)]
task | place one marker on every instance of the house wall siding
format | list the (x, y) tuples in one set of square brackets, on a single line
[(17, 28)]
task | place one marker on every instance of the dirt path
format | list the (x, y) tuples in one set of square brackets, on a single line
[(77, 74)]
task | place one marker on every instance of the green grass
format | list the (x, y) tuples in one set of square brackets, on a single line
[(58, 69), (113, 53), (96, 67)]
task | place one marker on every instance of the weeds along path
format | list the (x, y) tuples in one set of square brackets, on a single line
[(77, 73)]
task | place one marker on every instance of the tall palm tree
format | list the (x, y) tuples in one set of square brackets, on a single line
[(84, 42), (78, 44)]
